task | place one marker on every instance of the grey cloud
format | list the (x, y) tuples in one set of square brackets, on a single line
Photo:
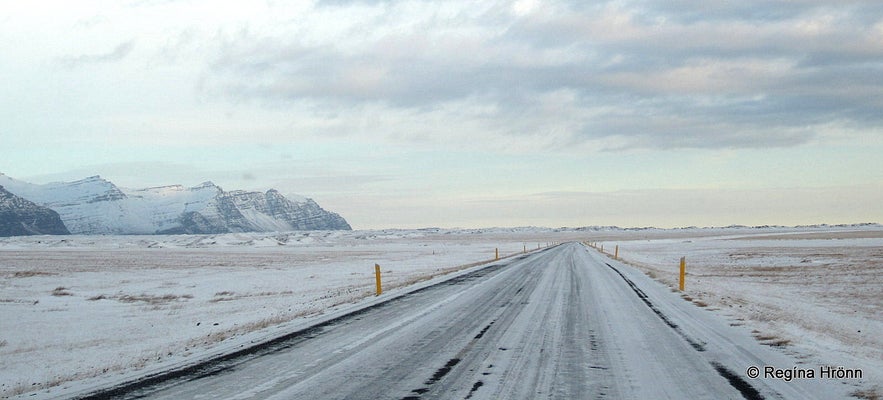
[(118, 53), (762, 11), (667, 74), (343, 3)]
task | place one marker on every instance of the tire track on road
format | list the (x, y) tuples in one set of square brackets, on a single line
[(745, 389)]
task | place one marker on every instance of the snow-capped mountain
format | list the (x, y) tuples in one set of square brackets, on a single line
[(19, 217), (97, 206)]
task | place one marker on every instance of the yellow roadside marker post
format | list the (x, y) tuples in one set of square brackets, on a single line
[(683, 273), (377, 279)]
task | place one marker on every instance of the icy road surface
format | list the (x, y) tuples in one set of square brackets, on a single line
[(565, 323)]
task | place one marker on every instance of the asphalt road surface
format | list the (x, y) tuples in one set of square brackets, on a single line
[(564, 323)]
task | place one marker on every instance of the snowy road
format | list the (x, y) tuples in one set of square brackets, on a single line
[(564, 323)]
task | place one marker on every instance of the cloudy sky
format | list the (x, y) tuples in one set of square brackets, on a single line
[(461, 113)]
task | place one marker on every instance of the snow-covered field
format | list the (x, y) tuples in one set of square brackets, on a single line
[(102, 308), (77, 311), (814, 293)]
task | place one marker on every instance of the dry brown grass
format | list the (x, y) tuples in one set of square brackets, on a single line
[(231, 296), (867, 394), (29, 274), (771, 340), (153, 299), (143, 298), (700, 303)]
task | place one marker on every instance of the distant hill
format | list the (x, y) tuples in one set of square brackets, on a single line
[(19, 217), (97, 206)]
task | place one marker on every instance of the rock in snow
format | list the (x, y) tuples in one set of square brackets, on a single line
[(97, 206), (19, 217)]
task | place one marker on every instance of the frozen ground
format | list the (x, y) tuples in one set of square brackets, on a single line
[(815, 294), (82, 307), (99, 309)]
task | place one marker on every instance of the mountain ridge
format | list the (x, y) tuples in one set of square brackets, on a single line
[(20, 217), (94, 205)]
